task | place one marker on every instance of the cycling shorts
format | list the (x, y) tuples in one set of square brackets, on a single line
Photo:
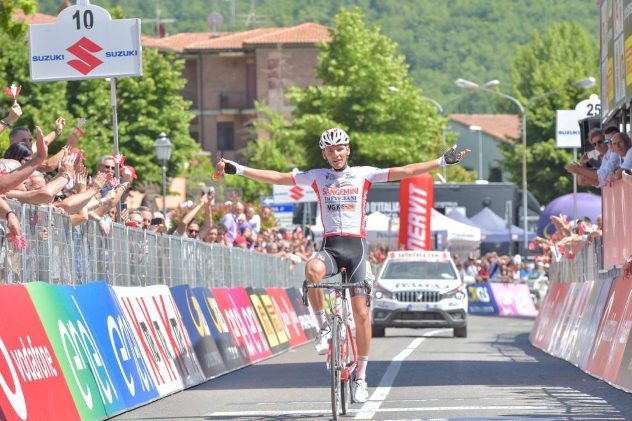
[(347, 252)]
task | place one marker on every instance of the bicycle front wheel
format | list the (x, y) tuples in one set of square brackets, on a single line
[(335, 368)]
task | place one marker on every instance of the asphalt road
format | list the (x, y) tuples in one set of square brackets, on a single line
[(495, 373)]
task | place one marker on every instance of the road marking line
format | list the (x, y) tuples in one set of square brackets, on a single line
[(326, 412), (384, 387)]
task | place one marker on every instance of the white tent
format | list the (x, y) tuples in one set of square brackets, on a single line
[(460, 238), (457, 231)]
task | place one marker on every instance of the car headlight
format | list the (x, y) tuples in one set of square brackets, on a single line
[(458, 293), (381, 293)]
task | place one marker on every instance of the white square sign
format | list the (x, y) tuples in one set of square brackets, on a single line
[(567, 133), (85, 43)]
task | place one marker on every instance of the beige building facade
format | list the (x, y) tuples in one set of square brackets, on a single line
[(227, 73)]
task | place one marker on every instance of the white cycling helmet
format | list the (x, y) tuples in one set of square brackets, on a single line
[(332, 137)]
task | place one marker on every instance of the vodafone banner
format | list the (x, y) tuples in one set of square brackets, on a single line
[(199, 331), (231, 354), (416, 196), (31, 377)]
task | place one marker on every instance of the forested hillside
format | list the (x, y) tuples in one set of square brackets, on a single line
[(441, 39)]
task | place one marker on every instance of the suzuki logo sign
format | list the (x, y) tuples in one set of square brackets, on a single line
[(296, 193), (293, 194), (83, 50)]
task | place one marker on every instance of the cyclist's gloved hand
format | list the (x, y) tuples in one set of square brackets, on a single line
[(451, 156), (231, 167)]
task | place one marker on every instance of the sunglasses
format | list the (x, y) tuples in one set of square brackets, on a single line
[(194, 232), (109, 167), (599, 142)]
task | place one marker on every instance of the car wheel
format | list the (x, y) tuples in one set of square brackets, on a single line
[(378, 331), (460, 332)]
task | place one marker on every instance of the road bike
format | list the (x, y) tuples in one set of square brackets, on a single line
[(341, 362)]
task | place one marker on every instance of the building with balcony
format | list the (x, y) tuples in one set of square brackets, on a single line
[(227, 72)]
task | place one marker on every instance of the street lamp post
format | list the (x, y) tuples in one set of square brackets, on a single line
[(163, 152), (466, 84), (479, 129)]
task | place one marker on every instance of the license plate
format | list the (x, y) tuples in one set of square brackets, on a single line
[(419, 307)]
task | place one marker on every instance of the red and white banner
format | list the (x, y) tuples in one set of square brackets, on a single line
[(284, 308), (30, 374), (416, 196)]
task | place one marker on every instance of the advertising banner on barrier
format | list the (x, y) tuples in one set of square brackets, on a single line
[(75, 348), (118, 349), (199, 332), (242, 322), (513, 299), (578, 298), (32, 384), (267, 311), (481, 300), (590, 322), (141, 315), (165, 312), (275, 317), (264, 321), (282, 303), (613, 332), (549, 311), (231, 354), (305, 315)]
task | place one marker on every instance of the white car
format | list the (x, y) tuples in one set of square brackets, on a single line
[(419, 289)]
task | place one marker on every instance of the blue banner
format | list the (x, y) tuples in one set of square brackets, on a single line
[(233, 359), (123, 364), (481, 300), (197, 327)]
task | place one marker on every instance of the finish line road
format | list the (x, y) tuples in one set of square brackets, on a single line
[(495, 373)]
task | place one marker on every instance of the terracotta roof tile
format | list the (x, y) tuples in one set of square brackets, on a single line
[(229, 41), (306, 33), (179, 42), (502, 126), (35, 18)]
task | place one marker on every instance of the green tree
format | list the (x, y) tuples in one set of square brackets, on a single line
[(358, 70), (542, 74), (8, 26), (147, 105)]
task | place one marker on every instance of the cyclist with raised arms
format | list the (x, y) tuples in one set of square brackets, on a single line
[(342, 192)]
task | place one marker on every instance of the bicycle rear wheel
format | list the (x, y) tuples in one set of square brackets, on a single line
[(335, 367)]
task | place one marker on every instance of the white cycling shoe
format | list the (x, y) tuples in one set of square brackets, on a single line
[(359, 391), (322, 340)]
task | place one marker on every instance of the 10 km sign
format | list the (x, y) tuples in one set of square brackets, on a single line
[(85, 43)]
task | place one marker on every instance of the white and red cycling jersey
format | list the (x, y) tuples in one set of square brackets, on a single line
[(342, 196)]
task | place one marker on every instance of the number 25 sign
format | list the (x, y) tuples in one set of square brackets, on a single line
[(85, 43)]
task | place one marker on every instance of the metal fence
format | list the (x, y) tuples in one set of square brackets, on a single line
[(59, 253), (584, 266)]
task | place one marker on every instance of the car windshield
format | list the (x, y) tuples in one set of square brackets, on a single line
[(418, 270)]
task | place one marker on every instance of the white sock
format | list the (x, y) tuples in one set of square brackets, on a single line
[(321, 318), (363, 361)]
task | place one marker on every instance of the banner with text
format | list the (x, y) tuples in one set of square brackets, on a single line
[(199, 332), (30, 372), (415, 204)]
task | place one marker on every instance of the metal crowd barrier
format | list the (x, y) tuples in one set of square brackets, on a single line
[(59, 253), (585, 265)]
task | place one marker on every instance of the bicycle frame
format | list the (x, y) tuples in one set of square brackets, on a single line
[(338, 358)]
